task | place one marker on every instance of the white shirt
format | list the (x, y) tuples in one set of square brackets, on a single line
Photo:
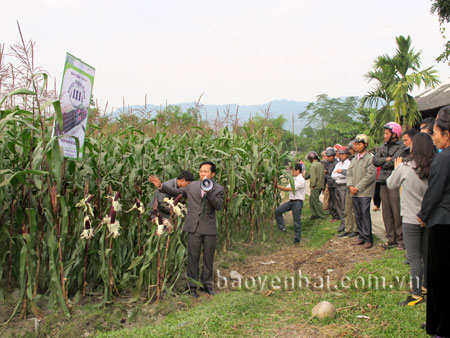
[(338, 177), (300, 185)]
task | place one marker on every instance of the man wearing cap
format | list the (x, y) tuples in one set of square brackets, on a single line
[(339, 175), (390, 198), (361, 176)]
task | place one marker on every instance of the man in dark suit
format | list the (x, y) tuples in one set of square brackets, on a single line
[(200, 224)]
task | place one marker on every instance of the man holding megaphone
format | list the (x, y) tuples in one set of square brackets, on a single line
[(204, 197)]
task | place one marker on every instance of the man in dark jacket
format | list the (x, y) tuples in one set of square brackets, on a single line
[(390, 198), (200, 224)]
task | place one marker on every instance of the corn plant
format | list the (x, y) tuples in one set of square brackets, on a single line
[(73, 229)]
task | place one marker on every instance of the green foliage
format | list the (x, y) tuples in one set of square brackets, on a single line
[(330, 121), (42, 224), (442, 8), (395, 77), (275, 125), (61, 237)]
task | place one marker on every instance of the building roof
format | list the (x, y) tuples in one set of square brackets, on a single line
[(434, 98)]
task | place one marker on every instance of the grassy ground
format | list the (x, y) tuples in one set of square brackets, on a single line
[(362, 310)]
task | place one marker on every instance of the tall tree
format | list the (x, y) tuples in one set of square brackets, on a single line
[(442, 8), (330, 121), (395, 78)]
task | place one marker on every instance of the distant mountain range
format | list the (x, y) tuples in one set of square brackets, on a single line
[(287, 108)]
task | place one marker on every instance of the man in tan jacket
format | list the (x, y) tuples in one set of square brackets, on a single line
[(361, 177)]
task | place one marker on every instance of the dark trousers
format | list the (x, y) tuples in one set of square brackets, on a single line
[(332, 202), (341, 193), (376, 195), (296, 207), (195, 243), (390, 208), (416, 244), (438, 296), (361, 207)]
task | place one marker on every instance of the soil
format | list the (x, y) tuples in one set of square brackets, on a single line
[(334, 259)]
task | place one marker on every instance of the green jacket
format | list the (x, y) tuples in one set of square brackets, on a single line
[(317, 173), (362, 174)]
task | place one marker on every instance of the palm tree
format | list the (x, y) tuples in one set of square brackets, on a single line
[(396, 77), (380, 97)]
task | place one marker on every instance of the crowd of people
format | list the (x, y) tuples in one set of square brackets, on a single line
[(409, 178)]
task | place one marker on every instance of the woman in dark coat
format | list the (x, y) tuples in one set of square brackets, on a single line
[(435, 214)]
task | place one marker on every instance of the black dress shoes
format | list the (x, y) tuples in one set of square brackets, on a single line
[(208, 289), (343, 234)]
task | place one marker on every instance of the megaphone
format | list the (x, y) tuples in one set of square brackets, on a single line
[(206, 184)]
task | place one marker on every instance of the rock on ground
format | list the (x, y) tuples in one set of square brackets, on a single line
[(324, 310)]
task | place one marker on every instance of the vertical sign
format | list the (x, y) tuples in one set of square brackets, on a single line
[(75, 97)]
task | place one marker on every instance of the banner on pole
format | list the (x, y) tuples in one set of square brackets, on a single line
[(75, 97)]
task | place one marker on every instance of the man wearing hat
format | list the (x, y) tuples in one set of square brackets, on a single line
[(361, 176)]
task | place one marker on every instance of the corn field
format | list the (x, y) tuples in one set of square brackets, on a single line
[(74, 229)]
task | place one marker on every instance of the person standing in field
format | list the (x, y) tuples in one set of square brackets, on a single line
[(316, 184), (326, 193), (390, 198), (412, 176), (435, 215), (200, 224), (361, 176), (295, 203), (329, 167), (351, 230), (182, 181), (339, 175)]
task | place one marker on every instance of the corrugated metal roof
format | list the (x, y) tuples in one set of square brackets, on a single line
[(434, 98)]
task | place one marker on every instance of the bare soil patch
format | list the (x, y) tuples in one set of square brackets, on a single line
[(334, 259)]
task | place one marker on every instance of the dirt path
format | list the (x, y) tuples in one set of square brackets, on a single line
[(334, 259)]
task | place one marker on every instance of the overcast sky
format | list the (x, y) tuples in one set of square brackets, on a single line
[(244, 52)]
